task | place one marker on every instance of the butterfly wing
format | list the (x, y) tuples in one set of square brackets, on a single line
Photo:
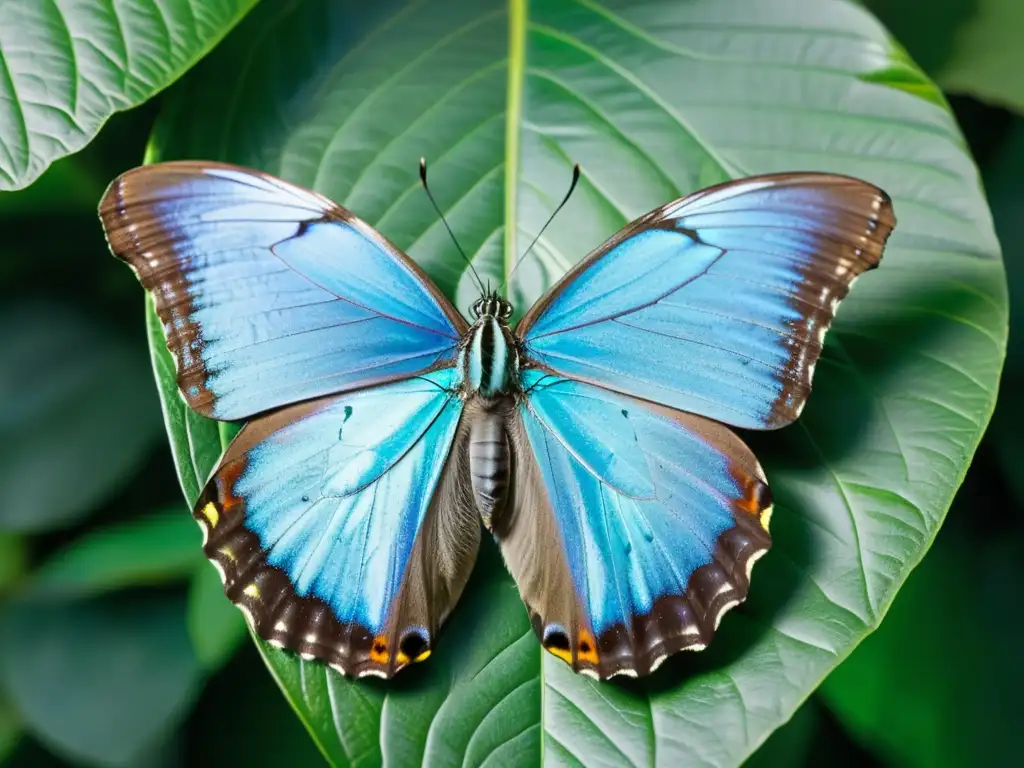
[(269, 293), (343, 526), (716, 303), (633, 527)]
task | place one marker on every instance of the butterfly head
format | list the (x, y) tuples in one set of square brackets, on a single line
[(492, 305)]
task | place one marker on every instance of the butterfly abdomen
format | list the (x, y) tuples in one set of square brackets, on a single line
[(489, 463)]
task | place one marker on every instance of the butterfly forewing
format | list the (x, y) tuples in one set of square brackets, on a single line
[(269, 293), (718, 303)]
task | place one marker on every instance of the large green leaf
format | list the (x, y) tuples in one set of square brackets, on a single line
[(654, 100), (66, 66)]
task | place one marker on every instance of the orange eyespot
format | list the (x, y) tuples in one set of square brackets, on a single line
[(756, 500), (379, 650), (587, 648)]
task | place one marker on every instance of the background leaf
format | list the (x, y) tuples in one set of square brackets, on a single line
[(133, 667), (13, 559), (968, 46), (653, 100), (65, 387), (10, 728), (161, 547), (66, 66), (987, 56)]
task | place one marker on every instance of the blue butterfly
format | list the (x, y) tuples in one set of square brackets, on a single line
[(591, 439)]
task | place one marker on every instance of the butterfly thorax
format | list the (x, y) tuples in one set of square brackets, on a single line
[(489, 353)]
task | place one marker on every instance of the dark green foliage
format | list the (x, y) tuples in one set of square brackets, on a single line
[(116, 645)]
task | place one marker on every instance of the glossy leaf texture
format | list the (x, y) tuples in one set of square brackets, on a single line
[(66, 66), (654, 100)]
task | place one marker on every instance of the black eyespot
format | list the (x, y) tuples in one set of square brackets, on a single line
[(555, 637), (413, 644), (584, 646)]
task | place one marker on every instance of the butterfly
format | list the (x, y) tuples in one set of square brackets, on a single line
[(593, 439)]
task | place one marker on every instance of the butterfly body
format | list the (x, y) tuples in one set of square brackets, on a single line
[(592, 439)]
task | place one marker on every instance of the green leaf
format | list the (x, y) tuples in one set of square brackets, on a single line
[(76, 415), (13, 559), (10, 729), (214, 624), (654, 101), (66, 67), (987, 56), (134, 670), (154, 549)]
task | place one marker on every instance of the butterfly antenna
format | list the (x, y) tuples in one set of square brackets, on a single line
[(423, 179), (572, 187)]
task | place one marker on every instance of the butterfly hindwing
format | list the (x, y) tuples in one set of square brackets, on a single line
[(633, 527), (717, 303), (343, 526), (269, 293)]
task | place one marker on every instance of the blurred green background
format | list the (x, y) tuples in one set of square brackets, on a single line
[(101, 661)]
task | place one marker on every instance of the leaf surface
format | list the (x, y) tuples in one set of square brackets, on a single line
[(654, 100), (67, 66)]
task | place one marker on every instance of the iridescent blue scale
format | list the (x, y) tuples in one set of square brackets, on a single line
[(591, 439)]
